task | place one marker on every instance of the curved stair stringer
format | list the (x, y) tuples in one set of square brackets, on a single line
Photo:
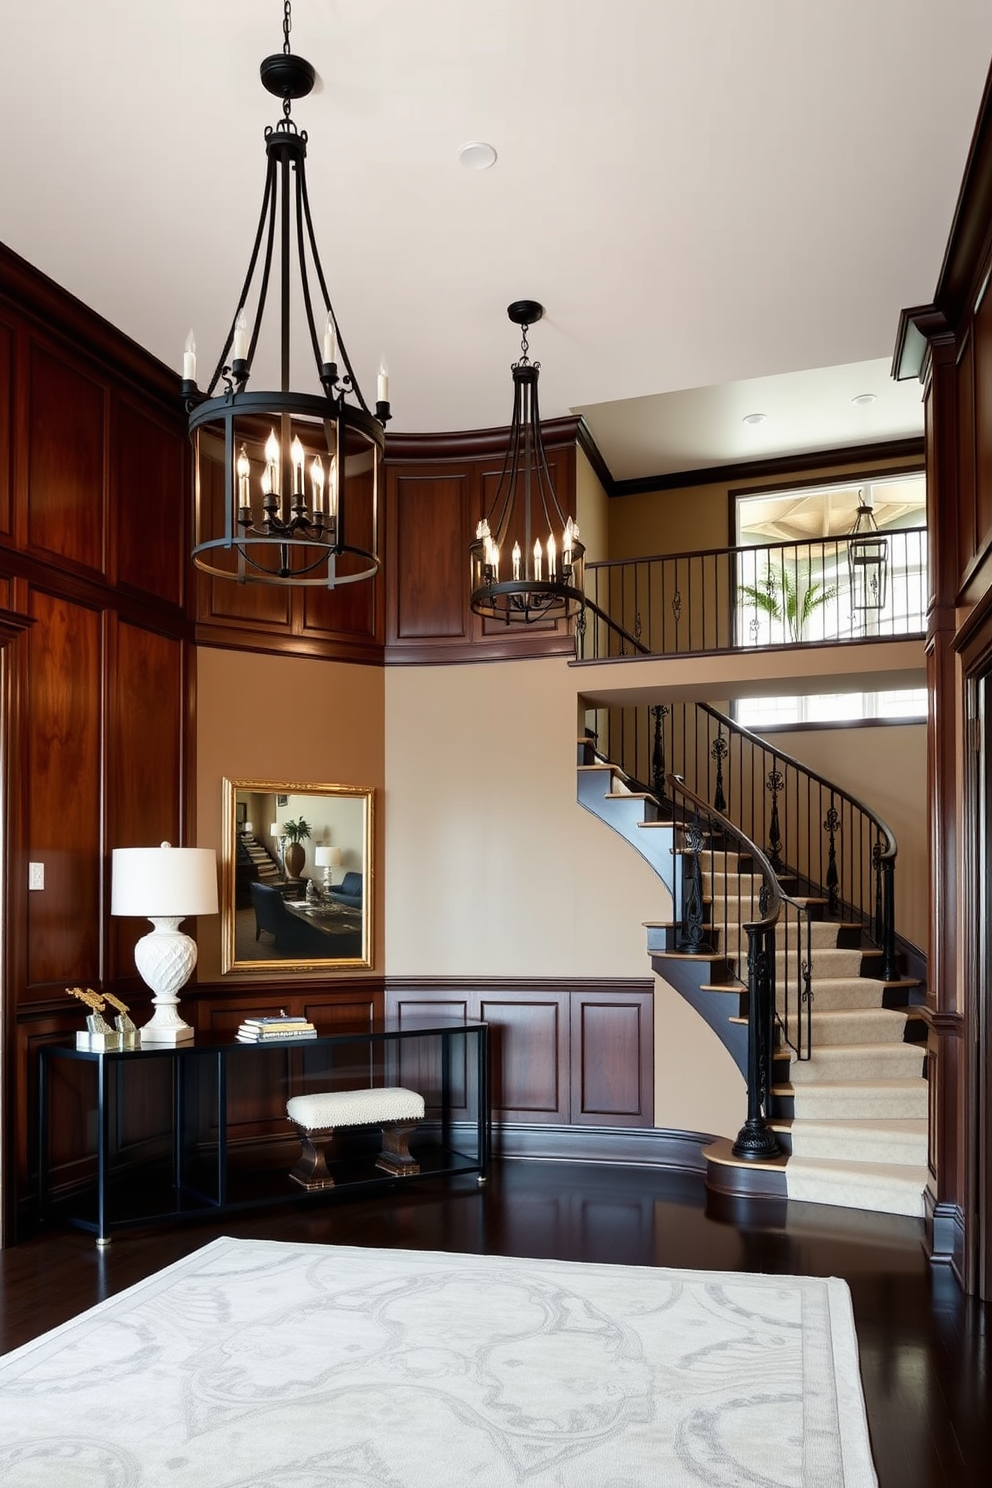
[(704, 980)]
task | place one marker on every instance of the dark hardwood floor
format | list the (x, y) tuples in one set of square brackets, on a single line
[(924, 1349)]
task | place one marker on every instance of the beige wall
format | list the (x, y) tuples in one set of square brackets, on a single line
[(886, 768), (591, 509), (493, 869), (284, 718)]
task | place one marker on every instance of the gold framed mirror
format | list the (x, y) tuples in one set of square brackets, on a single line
[(296, 877)]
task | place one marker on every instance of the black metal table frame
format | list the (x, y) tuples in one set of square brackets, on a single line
[(113, 1063)]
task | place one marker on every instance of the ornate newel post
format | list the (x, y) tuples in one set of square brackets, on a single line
[(755, 1138), (692, 888)]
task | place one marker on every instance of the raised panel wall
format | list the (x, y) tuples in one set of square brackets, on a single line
[(66, 454)]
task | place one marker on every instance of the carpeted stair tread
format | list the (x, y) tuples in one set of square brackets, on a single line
[(839, 1063), (892, 1188), (897, 1140), (834, 1026), (881, 1100), (823, 935), (842, 992)]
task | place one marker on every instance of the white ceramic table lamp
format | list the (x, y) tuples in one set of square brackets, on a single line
[(327, 858), (164, 884)]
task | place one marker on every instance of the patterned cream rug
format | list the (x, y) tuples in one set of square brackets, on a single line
[(253, 1364)]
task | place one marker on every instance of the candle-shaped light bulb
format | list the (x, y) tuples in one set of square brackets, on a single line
[(537, 561), (189, 358), (272, 462), (266, 481), (515, 561), (298, 458), (552, 557), (330, 340), (317, 483), (244, 471), (332, 487), (482, 531), (495, 563), (241, 336), (382, 382), (567, 542)]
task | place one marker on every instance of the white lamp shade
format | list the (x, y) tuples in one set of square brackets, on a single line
[(249, 829), (164, 881), (274, 830), (327, 857)]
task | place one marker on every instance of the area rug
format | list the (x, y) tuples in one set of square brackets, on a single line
[(255, 1364)]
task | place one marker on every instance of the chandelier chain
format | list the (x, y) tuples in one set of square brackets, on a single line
[(287, 25)]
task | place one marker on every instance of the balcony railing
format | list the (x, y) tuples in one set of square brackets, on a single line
[(729, 599)]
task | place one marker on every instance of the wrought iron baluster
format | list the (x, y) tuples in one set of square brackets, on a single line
[(831, 825), (719, 751), (774, 783), (692, 881), (660, 712)]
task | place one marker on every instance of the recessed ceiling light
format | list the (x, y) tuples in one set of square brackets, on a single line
[(863, 400), (477, 155), (754, 418)]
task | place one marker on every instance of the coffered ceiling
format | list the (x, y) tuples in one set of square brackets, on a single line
[(723, 204)]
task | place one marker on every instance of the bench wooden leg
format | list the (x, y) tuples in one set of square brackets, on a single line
[(395, 1156), (311, 1171)]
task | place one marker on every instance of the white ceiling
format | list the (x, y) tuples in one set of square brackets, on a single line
[(723, 204)]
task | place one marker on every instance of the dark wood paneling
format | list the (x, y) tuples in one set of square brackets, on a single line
[(981, 338), (7, 379), (529, 1055), (967, 521), (417, 1065), (150, 503), (64, 791), (350, 609), (430, 511), (611, 1060), (225, 601), (146, 707), (65, 453)]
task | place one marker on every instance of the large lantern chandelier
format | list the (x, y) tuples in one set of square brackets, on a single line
[(867, 559), (526, 558), (285, 483)]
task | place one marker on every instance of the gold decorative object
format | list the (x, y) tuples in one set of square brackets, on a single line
[(98, 1036)]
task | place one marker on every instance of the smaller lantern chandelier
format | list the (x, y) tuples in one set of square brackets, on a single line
[(867, 559), (285, 484), (525, 525)]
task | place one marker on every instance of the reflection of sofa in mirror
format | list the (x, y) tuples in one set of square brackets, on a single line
[(295, 936), (348, 891)]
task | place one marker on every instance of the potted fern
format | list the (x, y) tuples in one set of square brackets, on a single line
[(779, 596), (296, 855)]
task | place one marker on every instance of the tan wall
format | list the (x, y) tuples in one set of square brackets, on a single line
[(493, 869), (692, 518), (284, 718), (591, 509), (886, 768)]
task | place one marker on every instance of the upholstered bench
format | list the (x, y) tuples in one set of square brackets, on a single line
[(317, 1117)]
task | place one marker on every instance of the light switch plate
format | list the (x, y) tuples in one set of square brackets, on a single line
[(36, 875)]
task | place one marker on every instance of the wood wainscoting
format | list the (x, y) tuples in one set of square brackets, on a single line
[(572, 1065)]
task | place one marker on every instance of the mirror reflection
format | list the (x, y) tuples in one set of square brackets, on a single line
[(297, 871)]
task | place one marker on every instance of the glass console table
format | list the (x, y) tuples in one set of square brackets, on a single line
[(161, 1133)]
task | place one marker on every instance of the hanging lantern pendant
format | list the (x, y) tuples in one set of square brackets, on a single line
[(526, 559), (285, 484)]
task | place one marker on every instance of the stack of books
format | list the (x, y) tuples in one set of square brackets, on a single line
[(275, 1030)]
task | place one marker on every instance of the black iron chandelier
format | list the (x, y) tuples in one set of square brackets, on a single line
[(526, 558), (285, 484), (867, 560)]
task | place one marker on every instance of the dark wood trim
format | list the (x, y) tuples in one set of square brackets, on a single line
[(139, 609), (918, 328), (772, 469), (675, 1151), (516, 647), (971, 227), (77, 328), (476, 444), (232, 637), (944, 1229), (847, 723), (520, 984)]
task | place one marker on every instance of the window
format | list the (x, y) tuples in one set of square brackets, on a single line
[(794, 586)]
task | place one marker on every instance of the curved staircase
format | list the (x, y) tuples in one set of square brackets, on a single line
[(847, 1099)]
